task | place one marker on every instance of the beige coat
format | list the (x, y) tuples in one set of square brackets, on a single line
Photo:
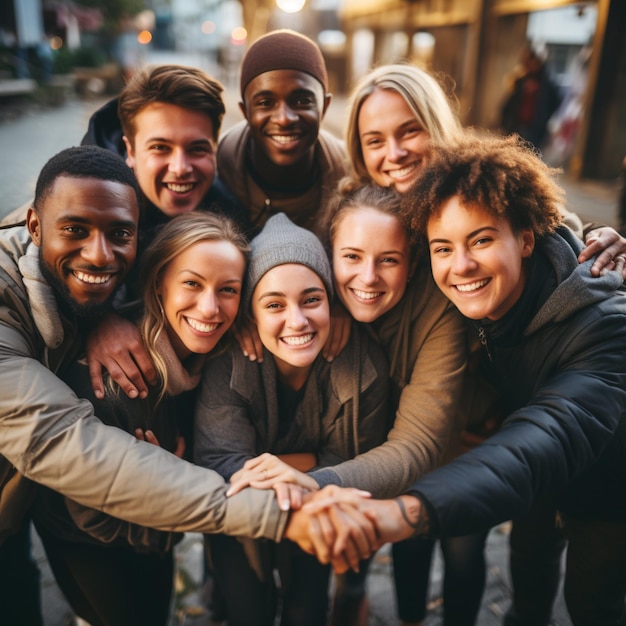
[(49, 436)]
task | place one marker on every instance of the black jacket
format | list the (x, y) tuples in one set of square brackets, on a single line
[(558, 359)]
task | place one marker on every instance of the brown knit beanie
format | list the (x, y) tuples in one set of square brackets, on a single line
[(283, 50)]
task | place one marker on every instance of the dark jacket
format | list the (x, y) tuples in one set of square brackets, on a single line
[(559, 360), (342, 411)]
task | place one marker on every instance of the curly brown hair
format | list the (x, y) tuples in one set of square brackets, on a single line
[(503, 175)]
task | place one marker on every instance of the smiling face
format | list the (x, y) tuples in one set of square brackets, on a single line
[(284, 109), (292, 314), (200, 291), (86, 231), (392, 141), (371, 262), (476, 259), (173, 156)]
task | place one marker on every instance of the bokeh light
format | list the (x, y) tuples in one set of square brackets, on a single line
[(238, 36), (144, 37), (290, 6)]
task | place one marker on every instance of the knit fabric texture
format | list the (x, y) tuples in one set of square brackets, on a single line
[(282, 242), (283, 50)]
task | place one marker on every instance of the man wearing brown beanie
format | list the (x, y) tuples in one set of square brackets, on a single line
[(278, 159)]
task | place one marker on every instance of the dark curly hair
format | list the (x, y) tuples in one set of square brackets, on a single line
[(503, 175)]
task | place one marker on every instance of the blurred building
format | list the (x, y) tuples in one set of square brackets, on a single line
[(476, 43)]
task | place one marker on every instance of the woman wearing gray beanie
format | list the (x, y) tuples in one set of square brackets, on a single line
[(294, 405)]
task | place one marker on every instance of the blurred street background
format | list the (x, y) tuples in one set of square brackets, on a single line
[(61, 60)]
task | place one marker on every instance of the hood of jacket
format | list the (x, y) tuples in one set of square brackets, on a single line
[(576, 288), (105, 130)]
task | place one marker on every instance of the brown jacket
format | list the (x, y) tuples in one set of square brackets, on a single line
[(302, 209)]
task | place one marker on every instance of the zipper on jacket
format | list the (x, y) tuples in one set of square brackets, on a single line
[(482, 335)]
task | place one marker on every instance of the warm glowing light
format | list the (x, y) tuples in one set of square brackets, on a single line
[(290, 6), (238, 35), (56, 43), (208, 27), (144, 37)]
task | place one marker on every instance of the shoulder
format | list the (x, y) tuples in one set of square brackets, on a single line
[(14, 242), (232, 137), (333, 147)]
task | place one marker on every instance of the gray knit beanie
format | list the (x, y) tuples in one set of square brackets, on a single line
[(281, 242)]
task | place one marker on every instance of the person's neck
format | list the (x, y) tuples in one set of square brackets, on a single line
[(297, 177), (290, 375)]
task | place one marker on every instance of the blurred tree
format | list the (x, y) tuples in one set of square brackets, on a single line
[(114, 12)]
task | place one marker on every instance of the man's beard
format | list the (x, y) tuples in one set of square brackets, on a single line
[(64, 297)]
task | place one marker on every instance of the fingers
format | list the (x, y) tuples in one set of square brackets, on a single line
[(236, 485), (95, 374), (249, 341), (356, 535), (180, 447), (116, 345), (128, 377), (288, 496), (621, 265), (147, 435), (256, 474), (609, 246)]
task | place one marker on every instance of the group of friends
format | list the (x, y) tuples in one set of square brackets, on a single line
[(305, 349)]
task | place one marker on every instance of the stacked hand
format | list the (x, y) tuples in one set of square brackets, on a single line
[(343, 526), (267, 471)]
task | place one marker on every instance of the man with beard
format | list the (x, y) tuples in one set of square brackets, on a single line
[(58, 274)]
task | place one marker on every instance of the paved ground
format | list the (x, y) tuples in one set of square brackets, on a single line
[(29, 135)]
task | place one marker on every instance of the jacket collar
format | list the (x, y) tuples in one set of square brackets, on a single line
[(43, 302)]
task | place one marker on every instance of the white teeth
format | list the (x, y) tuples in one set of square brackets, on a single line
[(200, 327), (472, 286), (179, 187), (285, 138), (367, 295), (93, 279), (298, 341), (403, 171)]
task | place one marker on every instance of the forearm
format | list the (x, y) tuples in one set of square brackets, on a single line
[(53, 438)]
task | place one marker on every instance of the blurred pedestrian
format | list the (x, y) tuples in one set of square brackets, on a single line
[(563, 126), (531, 97)]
